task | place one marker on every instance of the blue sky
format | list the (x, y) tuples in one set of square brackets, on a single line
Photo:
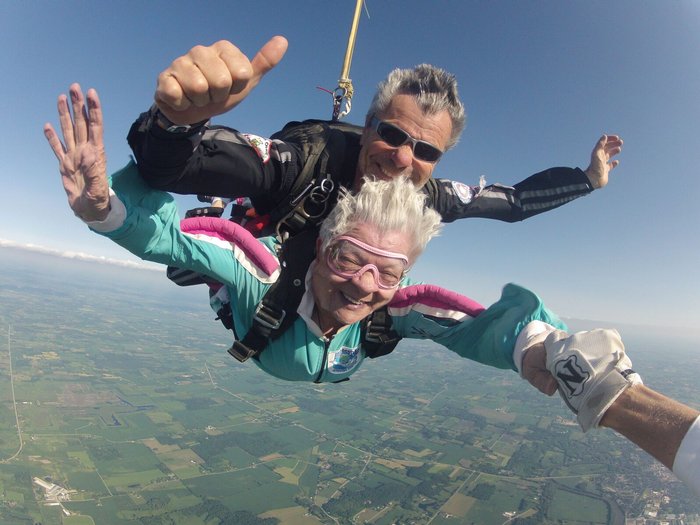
[(541, 80)]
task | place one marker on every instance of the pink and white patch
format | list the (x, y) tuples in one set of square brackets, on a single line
[(260, 145)]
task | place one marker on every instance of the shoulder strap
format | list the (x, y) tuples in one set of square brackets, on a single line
[(277, 310), (311, 136), (323, 145), (378, 337)]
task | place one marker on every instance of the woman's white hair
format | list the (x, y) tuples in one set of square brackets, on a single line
[(394, 205)]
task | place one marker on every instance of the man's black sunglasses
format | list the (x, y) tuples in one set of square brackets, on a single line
[(395, 137)]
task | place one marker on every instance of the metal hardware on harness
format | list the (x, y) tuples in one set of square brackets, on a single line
[(208, 211), (302, 194), (320, 193), (312, 205), (378, 336), (377, 332), (269, 317), (241, 352), (265, 320)]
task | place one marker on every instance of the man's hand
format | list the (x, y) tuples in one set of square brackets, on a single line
[(592, 370), (601, 159), (209, 81), (81, 160), (535, 369)]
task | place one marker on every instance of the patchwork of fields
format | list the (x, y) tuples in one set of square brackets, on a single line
[(126, 399)]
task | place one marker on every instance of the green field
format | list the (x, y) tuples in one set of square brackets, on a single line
[(142, 418)]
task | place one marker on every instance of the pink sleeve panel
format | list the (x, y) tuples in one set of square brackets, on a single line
[(435, 301), (235, 234)]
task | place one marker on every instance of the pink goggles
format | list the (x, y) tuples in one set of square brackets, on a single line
[(347, 256)]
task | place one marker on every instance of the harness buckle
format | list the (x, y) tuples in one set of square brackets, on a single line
[(268, 316), (241, 352), (309, 206), (379, 338), (377, 332)]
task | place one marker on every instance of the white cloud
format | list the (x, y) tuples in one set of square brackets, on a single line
[(4, 243)]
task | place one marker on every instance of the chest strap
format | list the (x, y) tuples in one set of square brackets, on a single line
[(278, 308), (378, 337)]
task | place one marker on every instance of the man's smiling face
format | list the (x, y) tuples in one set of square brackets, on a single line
[(379, 159)]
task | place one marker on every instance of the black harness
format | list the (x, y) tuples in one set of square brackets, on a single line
[(297, 222), (278, 308)]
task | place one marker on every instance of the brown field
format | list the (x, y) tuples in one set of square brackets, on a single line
[(494, 415), (458, 505), (157, 447), (271, 457), (418, 453), (291, 516)]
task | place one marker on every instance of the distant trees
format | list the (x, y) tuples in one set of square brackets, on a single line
[(256, 444), (22, 477), (367, 496), (209, 511), (431, 483), (157, 502), (526, 460), (103, 453), (483, 491)]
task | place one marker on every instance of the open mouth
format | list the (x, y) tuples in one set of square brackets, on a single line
[(380, 172), (351, 300), (383, 174)]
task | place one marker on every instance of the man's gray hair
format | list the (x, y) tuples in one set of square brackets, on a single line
[(394, 205), (434, 90)]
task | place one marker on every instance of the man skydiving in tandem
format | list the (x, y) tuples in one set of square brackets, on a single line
[(294, 177)]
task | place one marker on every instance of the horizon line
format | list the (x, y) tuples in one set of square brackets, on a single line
[(80, 256), (151, 266)]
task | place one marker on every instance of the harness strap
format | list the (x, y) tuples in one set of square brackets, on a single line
[(309, 208), (378, 337), (206, 211), (277, 310), (312, 189), (225, 315), (183, 277)]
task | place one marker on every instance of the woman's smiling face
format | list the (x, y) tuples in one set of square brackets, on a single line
[(342, 301)]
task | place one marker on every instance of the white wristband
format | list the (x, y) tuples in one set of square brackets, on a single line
[(115, 218), (533, 332), (686, 465)]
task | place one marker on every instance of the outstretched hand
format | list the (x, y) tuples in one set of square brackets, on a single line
[(602, 159), (535, 369), (81, 157), (211, 80)]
